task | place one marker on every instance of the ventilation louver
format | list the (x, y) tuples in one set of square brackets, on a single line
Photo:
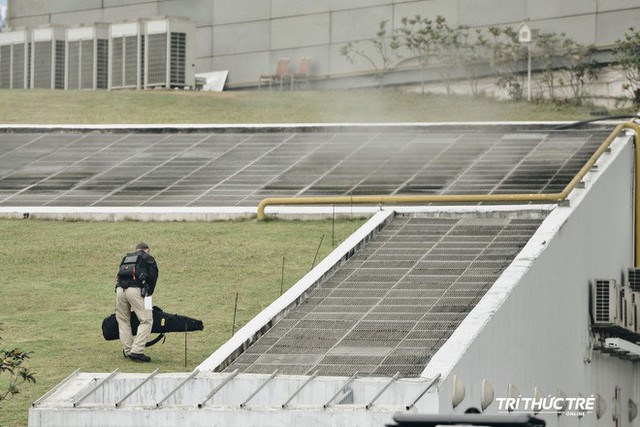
[(169, 53), (87, 57), (126, 55), (606, 302), (15, 59), (634, 279), (48, 58)]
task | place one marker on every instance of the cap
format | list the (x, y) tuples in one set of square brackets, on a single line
[(142, 245)]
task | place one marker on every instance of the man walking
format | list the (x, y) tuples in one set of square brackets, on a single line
[(137, 278)]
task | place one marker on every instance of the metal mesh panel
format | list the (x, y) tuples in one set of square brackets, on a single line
[(603, 304), (74, 65), (86, 64), (381, 318), (5, 67), (102, 64), (131, 61), (237, 170), (42, 65), (29, 62), (60, 64), (18, 66), (157, 56), (143, 62), (117, 61), (178, 58), (634, 279)]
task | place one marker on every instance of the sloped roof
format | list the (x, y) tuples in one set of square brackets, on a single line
[(391, 306), (240, 169)]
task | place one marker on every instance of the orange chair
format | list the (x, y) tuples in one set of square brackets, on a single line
[(281, 74), (303, 72)]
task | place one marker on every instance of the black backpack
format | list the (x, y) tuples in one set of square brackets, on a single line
[(130, 269)]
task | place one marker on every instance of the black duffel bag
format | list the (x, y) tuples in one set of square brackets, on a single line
[(162, 323)]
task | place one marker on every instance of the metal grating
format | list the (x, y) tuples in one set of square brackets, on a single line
[(74, 67), (634, 279), (102, 64), (241, 169), (178, 58), (18, 66), (381, 318), (86, 64), (602, 301), (124, 62), (5, 66), (157, 59), (59, 64), (42, 65), (117, 62), (131, 61)]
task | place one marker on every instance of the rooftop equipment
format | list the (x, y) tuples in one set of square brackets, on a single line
[(87, 57), (15, 54), (48, 57), (169, 53), (126, 55), (606, 303)]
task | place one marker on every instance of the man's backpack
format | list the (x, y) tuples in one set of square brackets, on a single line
[(130, 269)]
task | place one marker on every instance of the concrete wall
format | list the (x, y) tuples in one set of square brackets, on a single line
[(532, 328), (247, 37), (224, 409)]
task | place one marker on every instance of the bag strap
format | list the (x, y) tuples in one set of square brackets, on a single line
[(155, 340)]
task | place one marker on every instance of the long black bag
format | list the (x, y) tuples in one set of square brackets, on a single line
[(162, 323)]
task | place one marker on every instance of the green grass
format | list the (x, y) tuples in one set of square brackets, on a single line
[(58, 277), (58, 285), (175, 107)]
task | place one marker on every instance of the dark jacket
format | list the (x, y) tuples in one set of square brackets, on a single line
[(150, 272), (147, 272)]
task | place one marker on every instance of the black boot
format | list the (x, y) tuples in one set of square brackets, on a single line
[(139, 357)]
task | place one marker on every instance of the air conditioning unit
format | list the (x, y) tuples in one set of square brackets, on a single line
[(634, 279), (87, 52), (169, 53), (15, 55), (48, 57), (634, 310), (126, 59), (606, 303), (629, 311)]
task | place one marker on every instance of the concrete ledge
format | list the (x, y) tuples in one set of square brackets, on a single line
[(294, 127), (80, 213), (284, 213)]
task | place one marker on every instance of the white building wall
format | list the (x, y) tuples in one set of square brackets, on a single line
[(534, 332), (288, 28)]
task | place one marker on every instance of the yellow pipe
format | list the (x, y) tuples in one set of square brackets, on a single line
[(465, 198)]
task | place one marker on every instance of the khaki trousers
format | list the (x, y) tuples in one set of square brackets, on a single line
[(128, 300)]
